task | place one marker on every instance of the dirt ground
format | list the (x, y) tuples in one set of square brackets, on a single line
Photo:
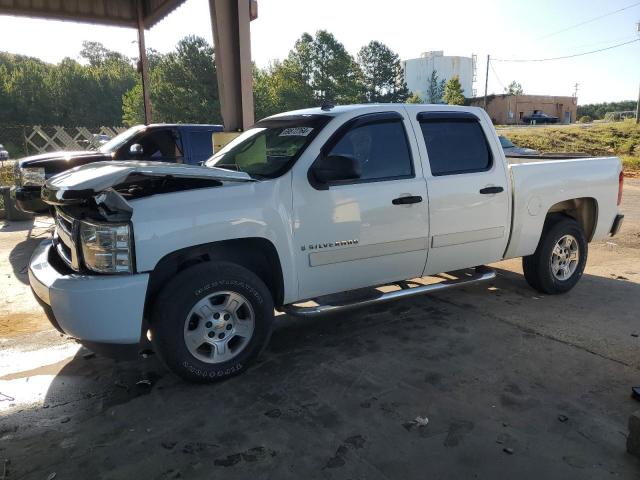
[(507, 384)]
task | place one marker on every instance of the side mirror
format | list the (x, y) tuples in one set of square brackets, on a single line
[(334, 168), (136, 150)]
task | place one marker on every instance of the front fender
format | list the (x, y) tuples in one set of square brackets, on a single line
[(163, 224)]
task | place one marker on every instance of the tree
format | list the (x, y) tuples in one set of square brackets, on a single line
[(414, 98), (98, 55), (183, 87), (280, 87), (382, 75), (453, 92), (327, 68), (68, 93), (599, 110), (435, 90), (514, 88)]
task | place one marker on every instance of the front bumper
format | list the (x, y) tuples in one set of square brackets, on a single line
[(95, 309), (28, 200)]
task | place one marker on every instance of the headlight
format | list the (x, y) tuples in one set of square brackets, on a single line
[(106, 247), (32, 177)]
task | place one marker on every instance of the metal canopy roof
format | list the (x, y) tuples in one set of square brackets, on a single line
[(121, 13)]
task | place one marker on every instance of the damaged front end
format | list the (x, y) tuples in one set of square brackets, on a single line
[(102, 190), (93, 212)]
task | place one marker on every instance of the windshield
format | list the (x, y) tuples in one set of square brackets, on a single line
[(119, 140), (505, 142), (268, 149)]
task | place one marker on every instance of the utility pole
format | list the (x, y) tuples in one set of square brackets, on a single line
[(638, 103), (144, 64), (638, 108), (486, 84)]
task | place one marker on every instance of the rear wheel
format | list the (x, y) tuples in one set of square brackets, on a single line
[(558, 262), (211, 321)]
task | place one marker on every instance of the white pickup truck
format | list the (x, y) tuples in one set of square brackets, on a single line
[(192, 261)]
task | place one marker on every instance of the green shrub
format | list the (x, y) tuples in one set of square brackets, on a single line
[(628, 147), (6, 174), (585, 119)]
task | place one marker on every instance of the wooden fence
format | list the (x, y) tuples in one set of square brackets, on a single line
[(41, 139)]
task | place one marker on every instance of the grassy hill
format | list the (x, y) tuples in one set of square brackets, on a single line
[(621, 139)]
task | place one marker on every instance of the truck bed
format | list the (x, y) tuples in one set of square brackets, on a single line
[(541, 182), (541, 157)]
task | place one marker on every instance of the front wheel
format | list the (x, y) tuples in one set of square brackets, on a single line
[(558, 262), (211, 321)]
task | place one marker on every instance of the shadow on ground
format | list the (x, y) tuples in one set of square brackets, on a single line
[(339, 397), (22, 251)]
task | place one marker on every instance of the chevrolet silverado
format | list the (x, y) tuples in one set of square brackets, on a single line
[(192, 261)]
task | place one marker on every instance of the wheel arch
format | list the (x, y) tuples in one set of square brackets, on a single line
[(583, 210), (254, 253)]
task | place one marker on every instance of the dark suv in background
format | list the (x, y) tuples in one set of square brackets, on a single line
[(175, 143), (538, 117)]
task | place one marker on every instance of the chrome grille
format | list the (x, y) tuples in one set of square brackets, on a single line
[(64, 239)]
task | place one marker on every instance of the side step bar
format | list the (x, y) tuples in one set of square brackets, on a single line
[(482, 274)]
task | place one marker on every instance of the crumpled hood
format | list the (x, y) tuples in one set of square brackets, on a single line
[(99, 176), (103, 190), (43, 159)]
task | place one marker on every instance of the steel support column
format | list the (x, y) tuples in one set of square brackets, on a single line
[(144, 64), (232, 43)]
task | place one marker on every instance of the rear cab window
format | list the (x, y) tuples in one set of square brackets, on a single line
[(455, 142)]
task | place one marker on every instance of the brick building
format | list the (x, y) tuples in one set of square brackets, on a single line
[(509, 109)]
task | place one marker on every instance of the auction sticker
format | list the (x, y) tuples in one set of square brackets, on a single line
[(296, 132)]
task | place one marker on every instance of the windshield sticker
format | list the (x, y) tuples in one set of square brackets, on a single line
[(296, 132)]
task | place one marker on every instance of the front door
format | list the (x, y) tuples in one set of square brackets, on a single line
[(364, 232), (468, 191)]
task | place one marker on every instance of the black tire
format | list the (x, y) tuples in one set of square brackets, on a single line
[(175, 302), (537, 267)]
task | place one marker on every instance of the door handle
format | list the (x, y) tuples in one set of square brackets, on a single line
[(490, 190), (407, 200)]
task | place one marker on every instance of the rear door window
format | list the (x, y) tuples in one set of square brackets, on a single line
[(201, 146), (162, 145), (455, 145)]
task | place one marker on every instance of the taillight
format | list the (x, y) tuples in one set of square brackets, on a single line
[(620, 185)]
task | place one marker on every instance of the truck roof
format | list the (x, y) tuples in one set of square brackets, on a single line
[(342, 109)]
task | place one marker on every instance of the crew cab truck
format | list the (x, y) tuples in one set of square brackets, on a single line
[(306, 204), (179, 143)]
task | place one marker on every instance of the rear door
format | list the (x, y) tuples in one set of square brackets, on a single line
[(369, 231), (200, 145), (469, 206)]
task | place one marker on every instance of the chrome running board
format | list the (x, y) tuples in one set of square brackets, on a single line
[(482, 274)]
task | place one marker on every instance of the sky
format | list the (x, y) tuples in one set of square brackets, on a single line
[(503, 29)]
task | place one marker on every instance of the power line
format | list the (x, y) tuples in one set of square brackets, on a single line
[(586, 21), (497, 77), (604, 42), (566, 56)]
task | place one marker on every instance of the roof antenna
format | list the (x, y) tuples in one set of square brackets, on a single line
[(326, 105)]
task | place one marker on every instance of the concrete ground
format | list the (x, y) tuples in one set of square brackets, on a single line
[(492, 381)]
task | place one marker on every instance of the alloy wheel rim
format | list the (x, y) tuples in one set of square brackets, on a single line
[(219, 327), (565, 257)]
